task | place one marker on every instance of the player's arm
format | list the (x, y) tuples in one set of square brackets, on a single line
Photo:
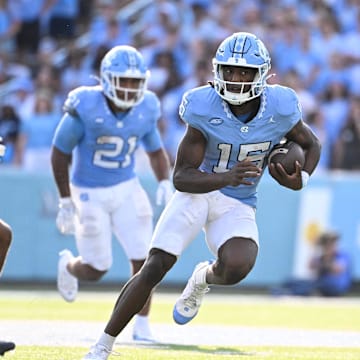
[(160, 164), (60, 163), (67, 135), (158, 157), (304, 136), (188, 177)]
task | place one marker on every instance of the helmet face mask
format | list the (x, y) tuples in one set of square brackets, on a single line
[(123, 76), (243, 50)]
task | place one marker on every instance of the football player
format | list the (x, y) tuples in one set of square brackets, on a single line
[(232, 126), (5, 242), (97, 137)]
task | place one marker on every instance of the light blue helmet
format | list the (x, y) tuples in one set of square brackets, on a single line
[(246, 50), (121, 62)]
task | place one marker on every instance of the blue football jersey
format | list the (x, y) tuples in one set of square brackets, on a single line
[(229, 140), (103, 143)]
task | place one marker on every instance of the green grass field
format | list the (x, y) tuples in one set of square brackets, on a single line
[(253, 312)]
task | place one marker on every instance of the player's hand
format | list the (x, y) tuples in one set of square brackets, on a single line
[(291, 181), (2, 148), (65, 220), (164, 192), (243, 172)]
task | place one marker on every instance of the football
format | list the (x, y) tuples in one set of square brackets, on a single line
[(287, 154)]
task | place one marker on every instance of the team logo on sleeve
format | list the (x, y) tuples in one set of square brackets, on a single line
[(183, 106), (216, 121)]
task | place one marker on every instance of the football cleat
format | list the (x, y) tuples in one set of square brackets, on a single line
[(143, 338), (188, 304), (6, 346), (141, 330), (143, 334), (97, 352), (67, 284)]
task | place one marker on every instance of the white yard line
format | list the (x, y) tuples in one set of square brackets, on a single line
[(81, 333)]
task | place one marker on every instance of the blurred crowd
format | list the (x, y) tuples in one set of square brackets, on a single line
[(48, 47)]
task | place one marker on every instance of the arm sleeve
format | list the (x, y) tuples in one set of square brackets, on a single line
[(152, 140), (68, 133)]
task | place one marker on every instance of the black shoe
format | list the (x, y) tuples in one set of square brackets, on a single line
[(6, 346)]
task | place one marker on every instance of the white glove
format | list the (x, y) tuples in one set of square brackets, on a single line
[(2, 148), (65, 220), (164, 192)]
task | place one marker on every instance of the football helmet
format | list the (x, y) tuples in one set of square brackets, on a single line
[(120, 63), (245, 50)]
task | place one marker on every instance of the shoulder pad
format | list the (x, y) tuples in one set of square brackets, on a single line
[(151, 100), (82, 100), (72, 101), (286, 100), (196, 101)]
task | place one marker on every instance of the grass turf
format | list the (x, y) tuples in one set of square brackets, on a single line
[(171, 352), (329, 314)]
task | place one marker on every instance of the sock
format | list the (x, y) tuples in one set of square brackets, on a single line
[(106, 340), (202, 276), (141, 321), (142, 327)]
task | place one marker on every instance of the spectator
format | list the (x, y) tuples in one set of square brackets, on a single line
[(36, 135), (335, 107), (331, 268), (9, 26), (347, 147), (63, 19), (31, 14), (21, 95), (319, 39), (9, 130), (315, 119), (106, 29), (76, 71), (165, 74)]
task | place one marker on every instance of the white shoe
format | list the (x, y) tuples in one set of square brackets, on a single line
[(67, 284), (97, 352), (188, 304), (143, 335)]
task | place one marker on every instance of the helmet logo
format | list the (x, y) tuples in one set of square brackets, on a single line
[(262, 50), (241, 47), (221, 51), (132, 63)]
